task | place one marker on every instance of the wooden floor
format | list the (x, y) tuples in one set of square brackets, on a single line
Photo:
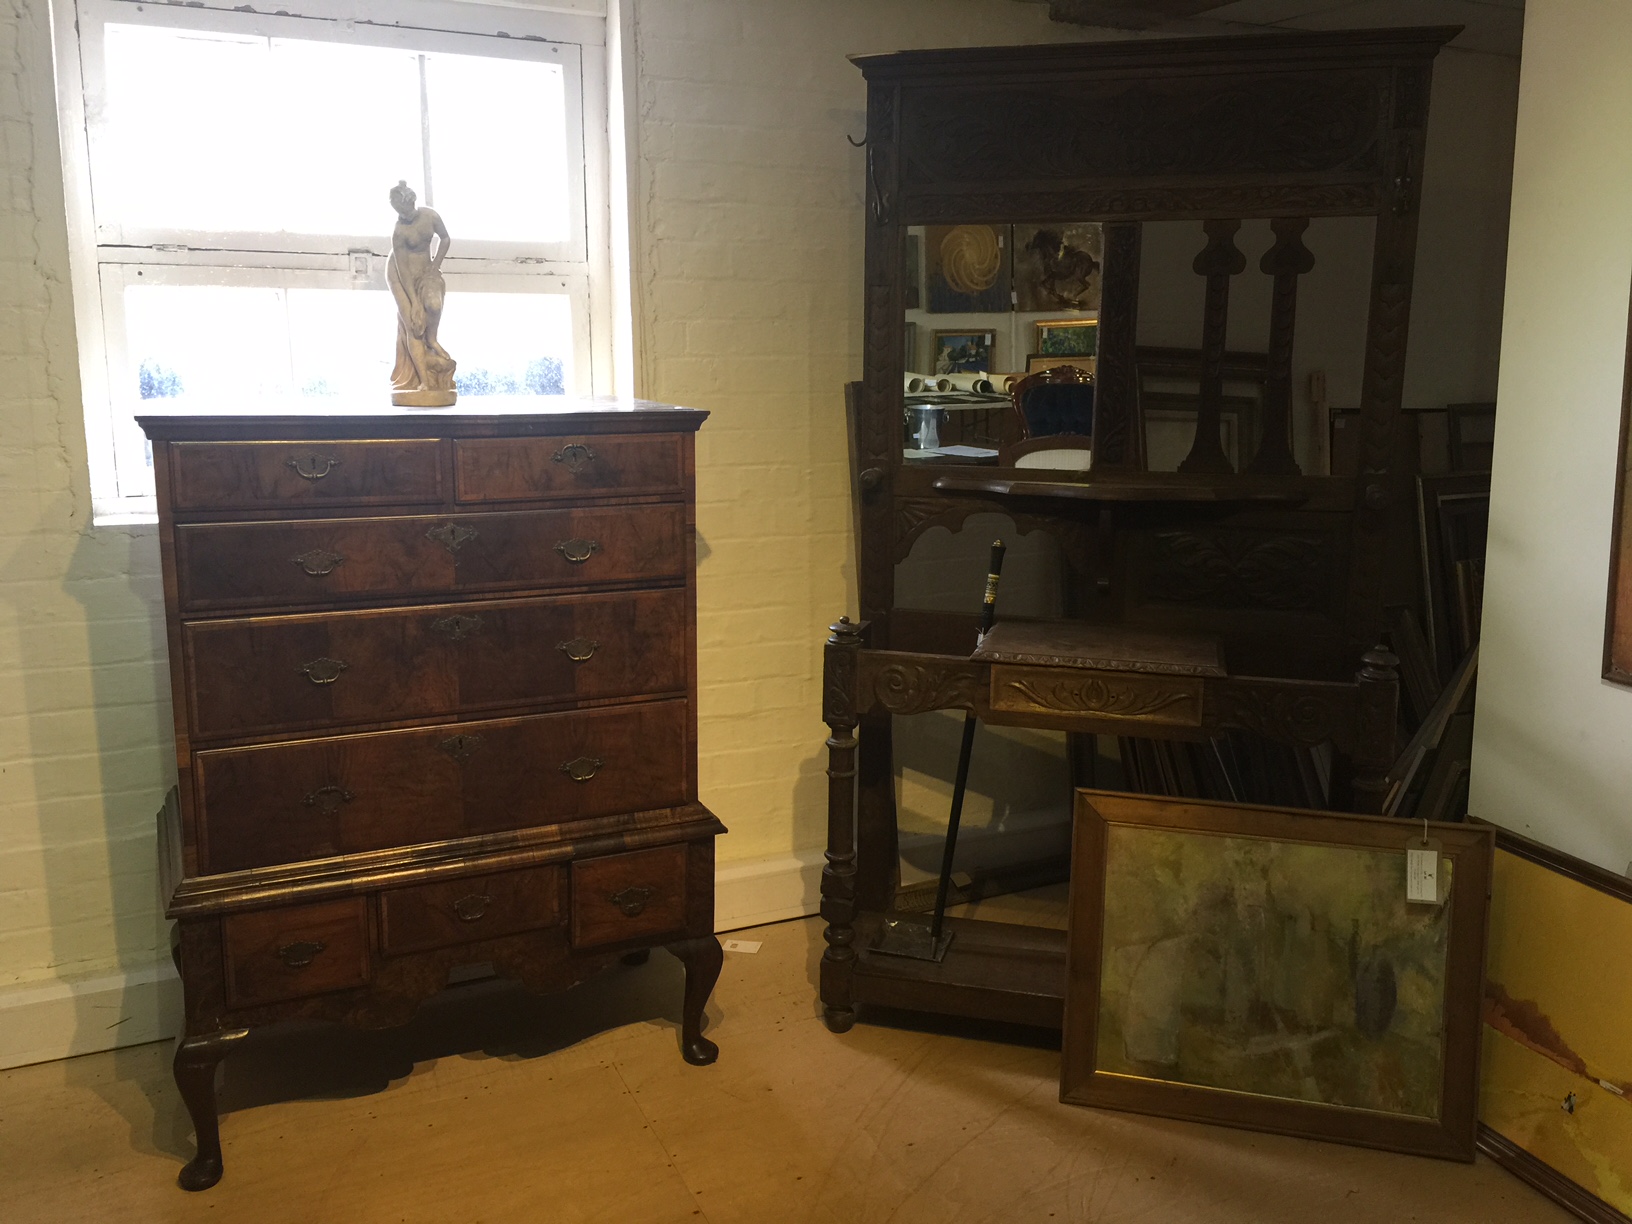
[(496, 1107)]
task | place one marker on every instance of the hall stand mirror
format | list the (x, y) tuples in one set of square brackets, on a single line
[(1236, 593)]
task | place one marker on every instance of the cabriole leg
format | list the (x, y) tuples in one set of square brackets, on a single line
[(702, 959), (196, 1061)]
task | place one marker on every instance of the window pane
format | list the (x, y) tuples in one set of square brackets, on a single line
[(229, 345), (504, 180), (232, 133)]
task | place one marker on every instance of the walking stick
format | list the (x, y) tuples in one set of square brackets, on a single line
[(900, 937)]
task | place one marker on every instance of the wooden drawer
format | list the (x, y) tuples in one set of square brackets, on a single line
[(296, 951), (263, 475), (522, 469), (629, 896), (285, 803), (467, 910), (287, 673), (228, 565)]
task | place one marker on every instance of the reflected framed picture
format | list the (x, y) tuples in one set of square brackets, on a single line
[(1068, 338), (1275, 969), (1057, 265), (967, 269), (1038, 362), (963, 352)]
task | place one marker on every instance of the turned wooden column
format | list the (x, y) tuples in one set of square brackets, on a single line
[(839, 874), (1376, 720), (1287, 260), (1219, 260)]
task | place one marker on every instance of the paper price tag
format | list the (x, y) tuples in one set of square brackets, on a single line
[(1422, 875)]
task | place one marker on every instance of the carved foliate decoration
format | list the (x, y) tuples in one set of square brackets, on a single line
[(916, 686), (1327, 122), (1237, 570), (1048, 690), (1289, 715)]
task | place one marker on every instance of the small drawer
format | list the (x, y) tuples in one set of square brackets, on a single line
[(301, 950), (467, 910), (629, 896), (522, 469), (265, 475)]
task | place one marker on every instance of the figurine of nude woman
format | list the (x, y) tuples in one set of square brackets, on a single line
[(423, 374)]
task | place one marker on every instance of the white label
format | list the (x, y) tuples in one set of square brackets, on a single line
[(1422, 875), (742, 945)]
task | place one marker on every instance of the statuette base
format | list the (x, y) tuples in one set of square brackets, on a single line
[(424, 399)]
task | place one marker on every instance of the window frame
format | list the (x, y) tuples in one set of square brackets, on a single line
[(100, 258)]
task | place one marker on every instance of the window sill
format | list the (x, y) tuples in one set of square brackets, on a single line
[(124, 511)]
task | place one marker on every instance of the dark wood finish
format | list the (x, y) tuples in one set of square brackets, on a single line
[(549, 468), (468, 910), (256, 675), (1291, 574), (1451, 1135), (1548, 1181), (1287, 260), (628, 896), (1221, 260), (1618, 617), (257, 475), (283, 803), (1610, 883), (273, 955), (401, 721), (1076, 644), (322, 561)]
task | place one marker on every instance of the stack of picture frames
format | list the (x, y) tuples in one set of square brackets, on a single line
[(1306, 973)]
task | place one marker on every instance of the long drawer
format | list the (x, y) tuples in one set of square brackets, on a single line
[(284, 803), (525, 469), (256, 475), (230, 565), (253, 675)]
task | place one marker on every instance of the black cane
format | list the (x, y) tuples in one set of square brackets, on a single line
[(988, 609)]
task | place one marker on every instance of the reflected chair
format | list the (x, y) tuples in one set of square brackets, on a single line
[(1054, 419)]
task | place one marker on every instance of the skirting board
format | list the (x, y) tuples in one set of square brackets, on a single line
[(1546, 1180), (42, 1021)]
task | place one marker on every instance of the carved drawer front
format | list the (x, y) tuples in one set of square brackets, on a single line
[(264, 475), (470, 909), (1116, 696), (521, 469), (227, 565), (629, 896), (313, 799), (261, 674), (296, 951)]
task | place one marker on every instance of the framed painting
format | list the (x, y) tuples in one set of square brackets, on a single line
[(963, 352), (1038, 362), (1068, 338), (967, 269), (1618, 618), (1277, 969), (1057, 265)]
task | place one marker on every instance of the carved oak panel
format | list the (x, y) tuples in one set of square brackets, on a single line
[(1234, 568), (1169, 700)]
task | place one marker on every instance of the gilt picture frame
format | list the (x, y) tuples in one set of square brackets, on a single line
[(1263, 968), (1067, 338)]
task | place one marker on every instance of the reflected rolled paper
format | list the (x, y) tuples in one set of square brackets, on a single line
[(917, 384)]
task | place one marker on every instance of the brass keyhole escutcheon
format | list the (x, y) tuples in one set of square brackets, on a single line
[(301, 953), (579, 650), (327, 799), (578, 551), (631, 901), (581, 769), (323, 671), (574, 456), (457, 628), (312, 467), (452, 536), (472, 907), (459, 747), (318, 562)]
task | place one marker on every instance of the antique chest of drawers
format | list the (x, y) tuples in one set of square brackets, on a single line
[(434, 678)]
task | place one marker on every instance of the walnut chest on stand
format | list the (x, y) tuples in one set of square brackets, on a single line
[(435, 688)]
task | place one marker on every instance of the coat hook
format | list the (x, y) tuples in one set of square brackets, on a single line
[(856, 144)]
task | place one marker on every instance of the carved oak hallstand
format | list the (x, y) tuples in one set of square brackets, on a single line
[(1287, 576)]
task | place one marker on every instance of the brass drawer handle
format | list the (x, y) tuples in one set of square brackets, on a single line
[(471, 908), (312, 467), (575, 456), (327, 799), (318, 562), (452, 536), (457, 628), (461, 746), (578, 551), (578, 650), (301, 953), (323, 671), (631, 900), (581, 769)]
